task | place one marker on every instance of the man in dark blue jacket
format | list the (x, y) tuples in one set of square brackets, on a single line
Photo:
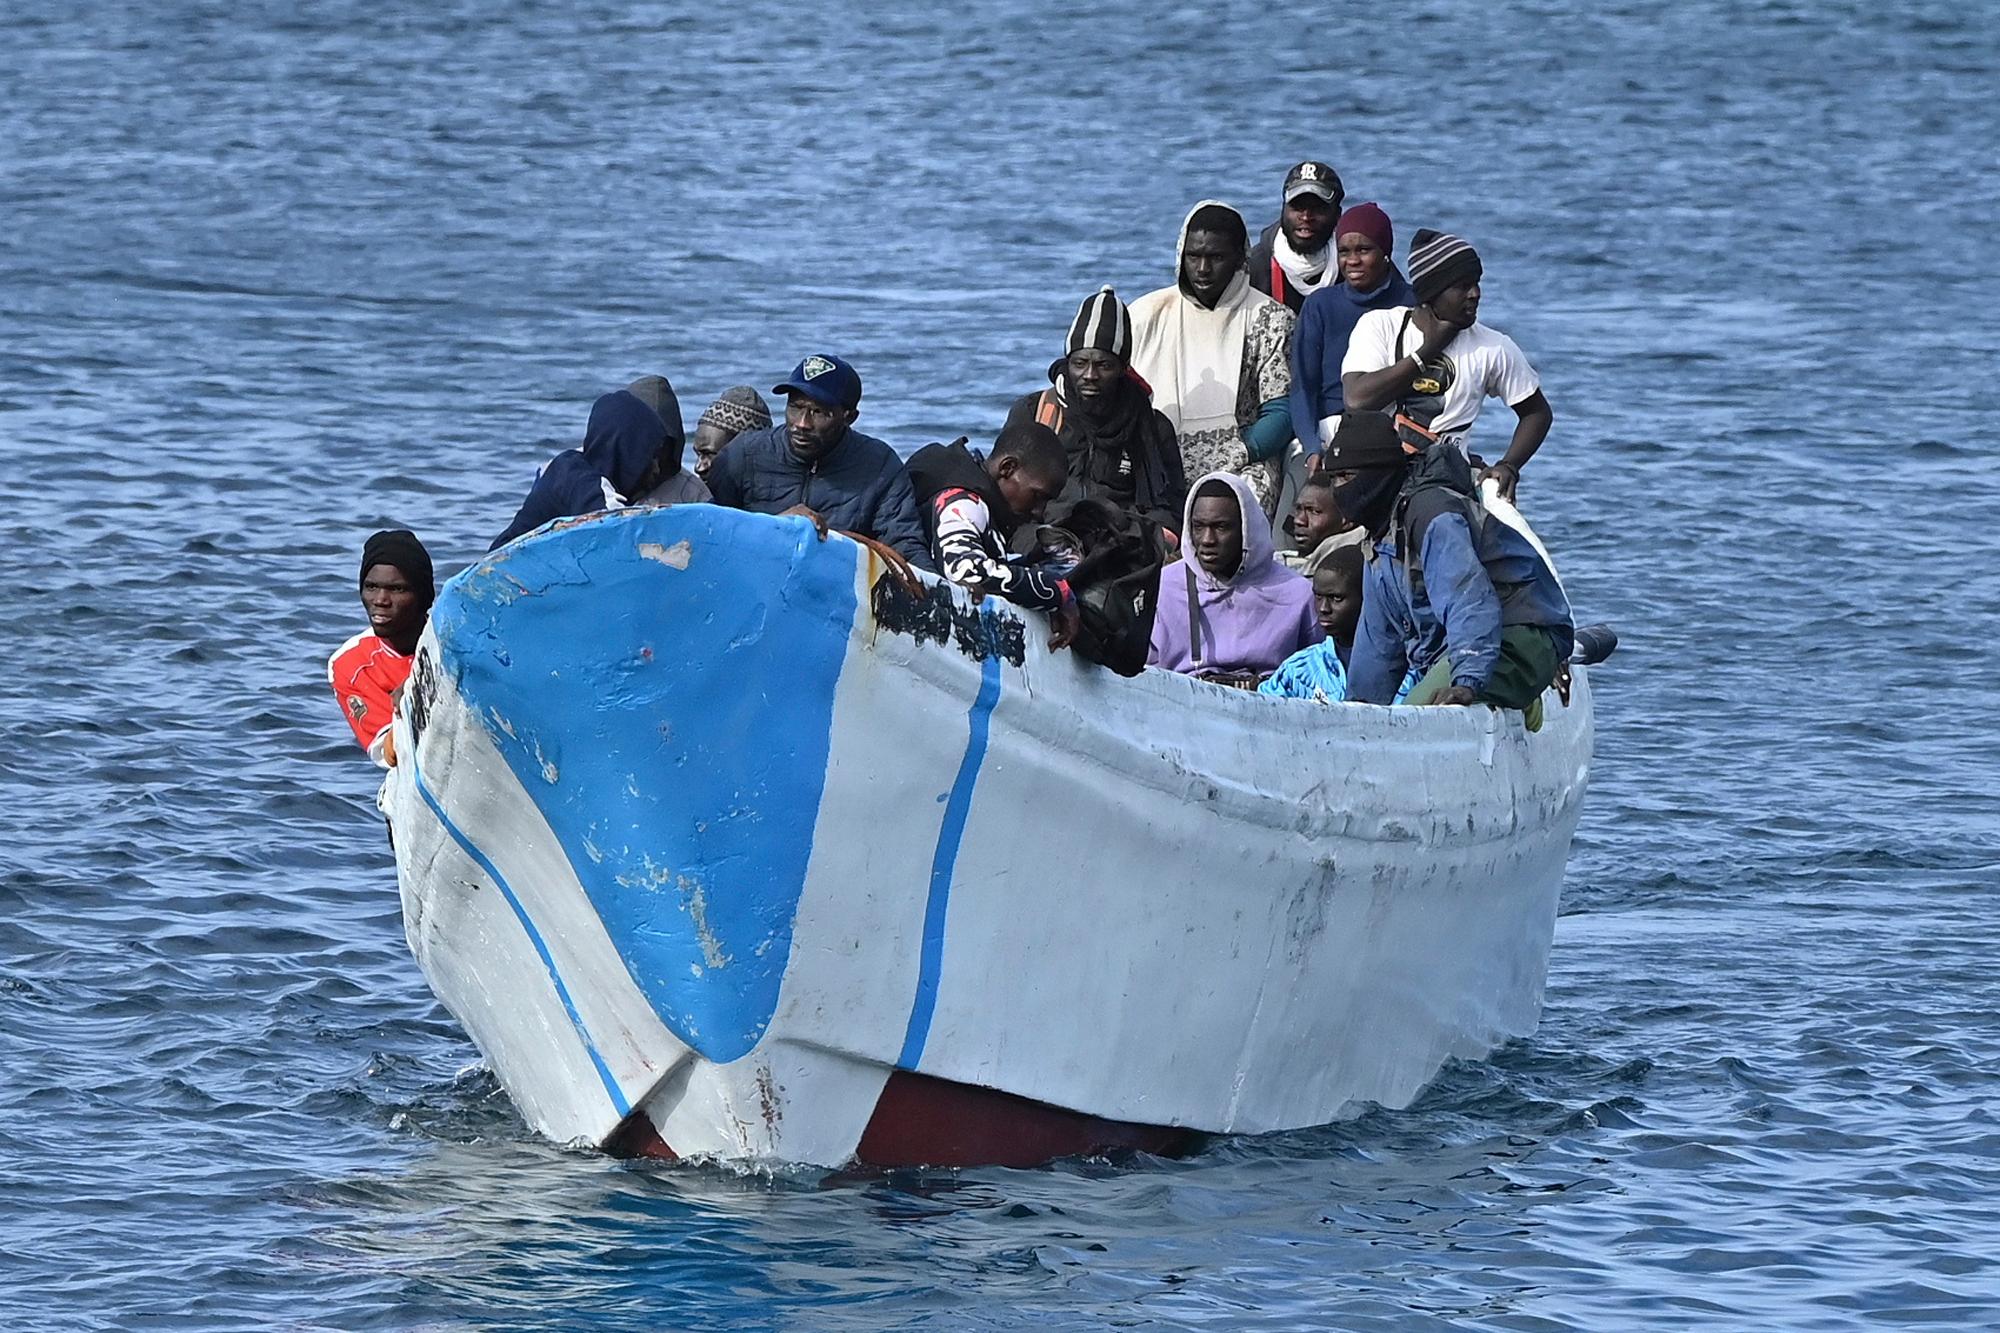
[(818, 467), (1450, 591)]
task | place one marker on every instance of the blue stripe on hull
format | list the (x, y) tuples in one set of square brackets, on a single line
[(480, 859), (958, 807)]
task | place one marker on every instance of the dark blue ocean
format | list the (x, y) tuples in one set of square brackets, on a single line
[(272, 276)]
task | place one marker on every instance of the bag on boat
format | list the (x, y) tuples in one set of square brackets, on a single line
[(1415, 410), (1117, 581)]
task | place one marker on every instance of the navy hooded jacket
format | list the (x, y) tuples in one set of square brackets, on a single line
[(620, 446), (857, 486)]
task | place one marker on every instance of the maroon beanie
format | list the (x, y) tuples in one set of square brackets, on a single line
[(1370, 221)]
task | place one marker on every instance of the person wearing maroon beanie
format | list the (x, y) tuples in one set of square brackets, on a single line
[(1369, 227), (1368, 281)]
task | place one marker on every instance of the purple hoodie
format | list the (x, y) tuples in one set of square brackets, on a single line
[(1249, 622)]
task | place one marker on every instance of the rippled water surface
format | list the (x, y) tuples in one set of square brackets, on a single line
[(272, 276)]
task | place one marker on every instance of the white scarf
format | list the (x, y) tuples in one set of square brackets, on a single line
[(1306, 273)]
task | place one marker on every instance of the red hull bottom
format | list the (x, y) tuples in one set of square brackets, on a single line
[(924, 1121)]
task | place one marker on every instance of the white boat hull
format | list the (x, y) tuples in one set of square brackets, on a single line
[(719, 844)]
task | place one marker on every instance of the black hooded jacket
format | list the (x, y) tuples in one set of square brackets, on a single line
[(620, 447), (977, 557), (937, 468)]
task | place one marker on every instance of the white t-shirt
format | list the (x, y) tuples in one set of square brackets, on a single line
[(1478, 364)]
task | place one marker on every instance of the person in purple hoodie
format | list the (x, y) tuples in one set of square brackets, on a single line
[(1228, 610)]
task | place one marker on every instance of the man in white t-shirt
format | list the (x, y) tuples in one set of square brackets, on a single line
[(1436, 365)]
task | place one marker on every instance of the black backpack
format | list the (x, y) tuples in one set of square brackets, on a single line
[(1117, 583)]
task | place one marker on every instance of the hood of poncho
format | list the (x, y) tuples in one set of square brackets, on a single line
[(1236, 284)]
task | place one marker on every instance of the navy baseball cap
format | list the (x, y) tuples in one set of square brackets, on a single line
[(825, 379)]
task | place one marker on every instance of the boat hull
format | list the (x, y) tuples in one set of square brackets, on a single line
[(722, 842)]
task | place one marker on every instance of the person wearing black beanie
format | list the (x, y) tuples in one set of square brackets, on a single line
[(1451, 597), (398, 586), (399, 548), (1432, 366)]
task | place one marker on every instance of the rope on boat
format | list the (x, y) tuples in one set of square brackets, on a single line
[(898, 566)]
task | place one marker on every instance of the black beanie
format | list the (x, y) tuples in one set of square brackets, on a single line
[(1439, 260), (1364, 441), (1101, 322), (400, 547)]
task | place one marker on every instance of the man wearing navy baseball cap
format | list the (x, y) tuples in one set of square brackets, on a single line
[(817, 466)]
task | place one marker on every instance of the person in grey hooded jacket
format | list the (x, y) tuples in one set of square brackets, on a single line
[(816, 465)]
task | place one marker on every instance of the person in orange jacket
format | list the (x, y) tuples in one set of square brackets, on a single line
[(397, 590)]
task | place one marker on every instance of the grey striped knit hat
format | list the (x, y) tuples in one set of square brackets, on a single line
[(1101, 322), (737, 410), (1439, 260)]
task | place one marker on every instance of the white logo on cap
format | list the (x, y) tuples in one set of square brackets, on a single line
[(1308, 172), (817, 366)]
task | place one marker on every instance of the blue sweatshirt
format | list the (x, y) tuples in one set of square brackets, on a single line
[(1319, 344), (1469, 594), (858, 486)]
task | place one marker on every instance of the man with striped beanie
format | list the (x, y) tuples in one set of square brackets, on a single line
[(1120, 448), (1433, 365), (734, 411)]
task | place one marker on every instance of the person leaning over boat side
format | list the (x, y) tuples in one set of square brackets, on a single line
[(397, 589), (1121, 449), (1294, 256), (971, 505), (817, 466), (734, 411), (620, 457), (1318, 527), (675, 485), (1449, 590), (1436, 364), (1227, 608), (1364, 240), (1217, 354), (1319, 671)]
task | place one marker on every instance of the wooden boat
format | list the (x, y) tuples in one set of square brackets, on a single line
[(722, 841)]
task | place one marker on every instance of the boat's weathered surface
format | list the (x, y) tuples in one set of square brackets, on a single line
[(719, 842)]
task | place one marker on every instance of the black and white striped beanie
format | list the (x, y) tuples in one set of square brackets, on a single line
[(1439, 260), (1103, 323)]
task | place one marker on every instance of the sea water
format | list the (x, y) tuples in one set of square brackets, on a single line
[(272, 276)]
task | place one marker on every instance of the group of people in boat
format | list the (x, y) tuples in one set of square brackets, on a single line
[(1332, 545)]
